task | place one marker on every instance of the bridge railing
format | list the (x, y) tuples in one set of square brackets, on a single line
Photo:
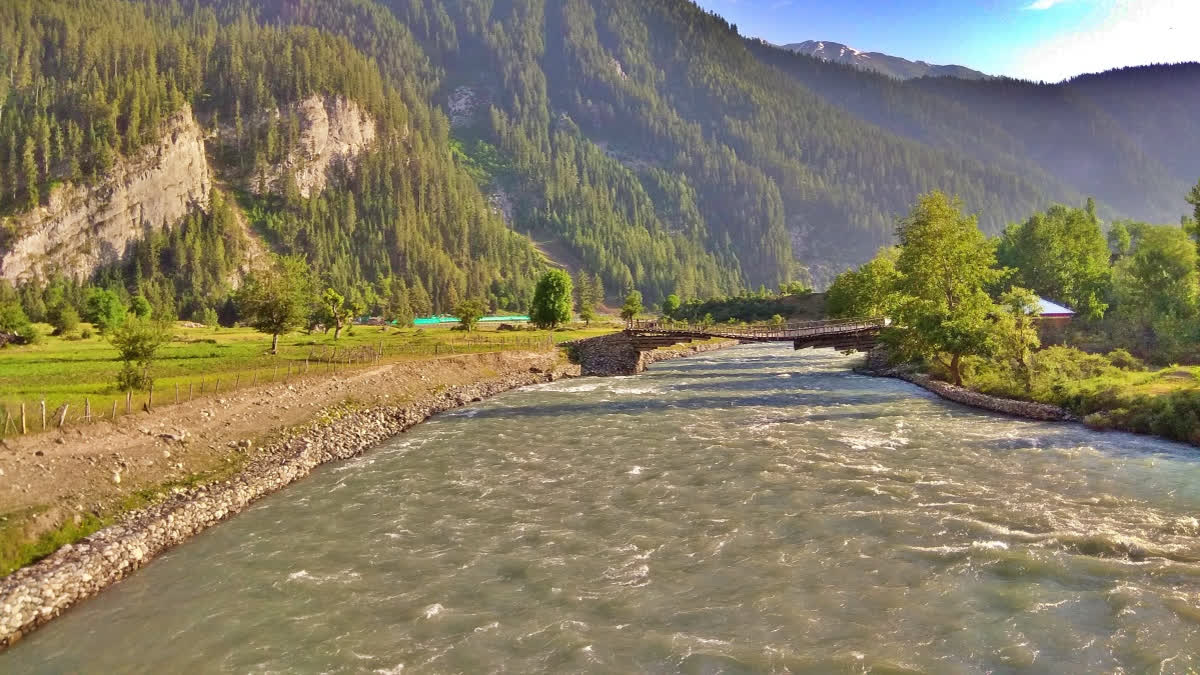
[(799, 329)]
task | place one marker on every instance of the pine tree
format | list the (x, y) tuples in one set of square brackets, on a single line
[(29, 170)]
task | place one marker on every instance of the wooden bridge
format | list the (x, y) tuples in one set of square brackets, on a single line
[(841, 334)]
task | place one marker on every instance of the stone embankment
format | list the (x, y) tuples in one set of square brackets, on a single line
[(616, 354), (877, 366), (36, 594)]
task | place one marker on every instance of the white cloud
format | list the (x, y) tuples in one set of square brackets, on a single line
[(1044, 4), (1128, 32)]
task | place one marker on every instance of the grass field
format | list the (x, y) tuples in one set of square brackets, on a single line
[(205, 361)]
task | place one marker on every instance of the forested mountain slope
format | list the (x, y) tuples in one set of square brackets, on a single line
[(1129, 137), (649, 139), (737, 155)]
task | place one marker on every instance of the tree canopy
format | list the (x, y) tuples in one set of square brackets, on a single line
[(275, 299), (552, 300)]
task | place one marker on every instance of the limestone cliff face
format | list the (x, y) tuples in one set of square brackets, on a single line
[(83, 227), (333, 130)]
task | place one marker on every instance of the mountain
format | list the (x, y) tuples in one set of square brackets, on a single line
[(1127, 137), (892, 66), (437, 150)]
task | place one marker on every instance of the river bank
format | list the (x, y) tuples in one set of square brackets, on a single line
[(36, 594), (370, 407), (876, 366)]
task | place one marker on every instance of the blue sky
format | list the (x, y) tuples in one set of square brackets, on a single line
[(1035, 39)]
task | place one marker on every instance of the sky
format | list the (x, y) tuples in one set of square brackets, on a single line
[(1041, 40)]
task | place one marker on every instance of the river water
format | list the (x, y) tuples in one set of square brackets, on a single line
[(749, 510)]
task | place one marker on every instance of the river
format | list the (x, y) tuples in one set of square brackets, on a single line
[(749, 510)]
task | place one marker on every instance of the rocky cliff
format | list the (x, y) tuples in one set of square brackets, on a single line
[(333, 130), (83, 227)]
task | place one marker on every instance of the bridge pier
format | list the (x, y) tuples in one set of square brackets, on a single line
[(607, 355)]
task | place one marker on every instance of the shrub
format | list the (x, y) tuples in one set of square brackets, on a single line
[(29, 335), (138, 340), (64, 319), (85, 334), (1121, 358), (1099, 421)]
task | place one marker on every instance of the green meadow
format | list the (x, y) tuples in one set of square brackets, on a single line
[(202, 361)]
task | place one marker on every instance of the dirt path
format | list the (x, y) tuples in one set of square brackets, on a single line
[(49, 477)]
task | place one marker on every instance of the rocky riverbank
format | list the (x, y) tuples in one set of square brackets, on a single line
[(876, 365), (36, 594)]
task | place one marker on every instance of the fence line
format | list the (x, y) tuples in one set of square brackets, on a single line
[(302, 361)]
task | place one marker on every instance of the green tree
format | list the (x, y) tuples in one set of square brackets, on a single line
[(1193, 198), (105, 310), (140, 306), (870, 290), (670, 306), (1119, 241), (338, 310), (138, 340), (399, 308), (590, 292), (419, 298), (63, 318), (29, 170), (1061, 254), (469, 312), (1192, 223), (946, 266), (552, 300), (1158, 293), (274, 299), (795, 288), (633, 305), (1015, 332), (12, 317)]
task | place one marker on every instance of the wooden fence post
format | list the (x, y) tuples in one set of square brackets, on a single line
[(24, 428), (150, 399), (176, 393), (62, 419), (128, 401), (190, 391), (114, 411), (43, 414), (217, 388), (87, 409), (237, 381)]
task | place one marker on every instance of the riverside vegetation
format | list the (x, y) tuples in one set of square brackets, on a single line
[(964, 309)]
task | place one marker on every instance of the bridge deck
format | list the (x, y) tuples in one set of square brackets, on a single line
[(804, 331)]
